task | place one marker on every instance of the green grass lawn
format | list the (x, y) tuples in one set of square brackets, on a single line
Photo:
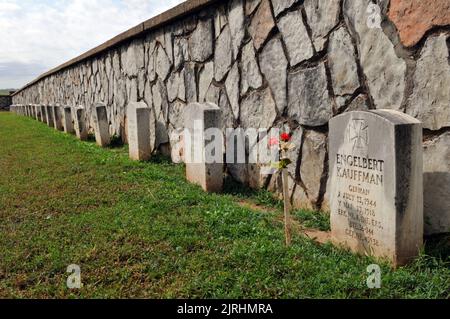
[(140, 230)]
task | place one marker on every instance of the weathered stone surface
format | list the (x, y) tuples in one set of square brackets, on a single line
[(160, 101), (322, 17), (132, 59), (67, 120), (360, 103), (274, 67), (223, 54), (251, 76), (201, 41), (312, 167), (139, 126), (175, 87), (190, 81), (236, 20), (296, 37), (258, 110), (384, 70), (176, 113), (261, 24), (413, 18), (80, 124), (436, 182), (163, 63), (220, 20), (201, 167), (251, 5), (232, 87), (181, 52), (309, 101), (205, 78), (101, 125), (300, 200), (151, 64), (430, 100), (280, 5), (168, 42), (376, 183), (342, 63), (294, 154)]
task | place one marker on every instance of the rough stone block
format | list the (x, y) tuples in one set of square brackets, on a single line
[(436, 183), (376, 195)]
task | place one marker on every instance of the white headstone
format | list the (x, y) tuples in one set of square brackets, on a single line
[(201, 166), (101, 125), (49, 115), (67, 120), (57, 118), (43, 113), (140, 125), (376, 184), (80, 125)]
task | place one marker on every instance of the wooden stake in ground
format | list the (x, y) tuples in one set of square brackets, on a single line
[(287, 207)]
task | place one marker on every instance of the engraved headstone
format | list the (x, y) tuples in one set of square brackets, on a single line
[(203, 166), (49, 115), (43, 113), (101, 125), (57, 118), (37, 109), (140, 124), (376, 184), (80, 125), (67, 120)]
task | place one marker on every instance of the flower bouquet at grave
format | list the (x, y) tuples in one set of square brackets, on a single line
[(284, 146)]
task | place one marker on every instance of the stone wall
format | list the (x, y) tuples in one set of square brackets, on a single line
[(5, 102), (279, 63)]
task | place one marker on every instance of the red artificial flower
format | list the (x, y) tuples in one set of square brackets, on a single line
[(274, 141), (285, 137)]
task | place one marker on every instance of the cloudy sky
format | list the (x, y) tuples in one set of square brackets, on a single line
[(37, 35)]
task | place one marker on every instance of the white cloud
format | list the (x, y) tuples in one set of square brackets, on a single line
[(39, 35)]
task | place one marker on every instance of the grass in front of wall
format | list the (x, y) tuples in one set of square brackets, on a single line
[(140, 230)]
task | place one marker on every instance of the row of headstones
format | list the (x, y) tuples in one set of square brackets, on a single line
[(376, 187), (71, 120)]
